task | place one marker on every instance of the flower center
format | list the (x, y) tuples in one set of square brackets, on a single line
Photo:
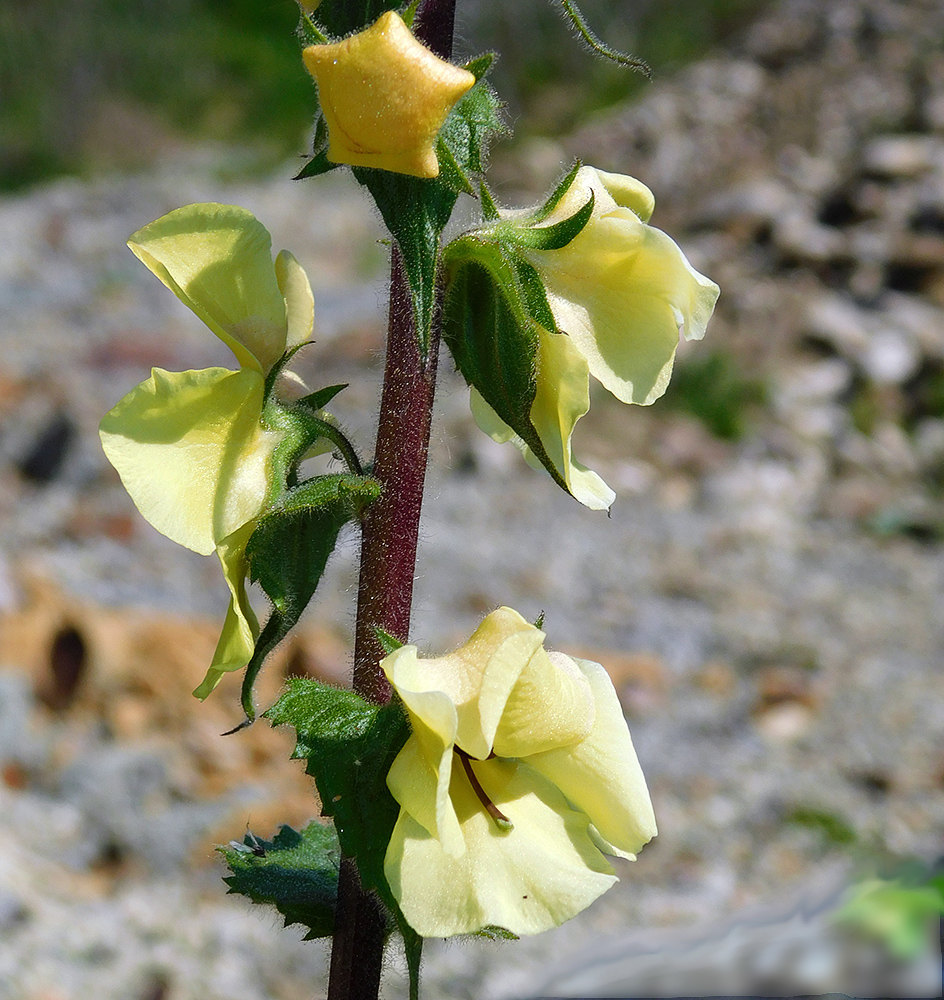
[(501, 820)]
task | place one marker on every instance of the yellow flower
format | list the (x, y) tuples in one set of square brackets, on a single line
[(385, 97), (190, 446), (518, 774), (621, 292)]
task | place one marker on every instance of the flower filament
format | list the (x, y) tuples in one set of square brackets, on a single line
[(501, 820)]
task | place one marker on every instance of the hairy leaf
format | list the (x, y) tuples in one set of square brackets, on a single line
[(348, 745), (288, 552), (296, 872)]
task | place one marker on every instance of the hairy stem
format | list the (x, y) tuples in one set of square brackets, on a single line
[(388, 556)]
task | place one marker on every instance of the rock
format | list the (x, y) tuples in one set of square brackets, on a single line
[(903, 155)]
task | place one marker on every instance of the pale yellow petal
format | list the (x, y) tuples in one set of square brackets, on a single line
[(601, 775), (624, 292), (241, 628), (420, 784), (551, 705), (562, 398), (528, 879), (217, 259), (628, 192), (299, 301), (191, 452), (487, 420), (476, 678)]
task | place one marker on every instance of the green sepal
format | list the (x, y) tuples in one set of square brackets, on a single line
[(308, 31), (319, 399), (388, 643), (319, 162), (413, 950), (349, 745), (495, 933), (463, 141), (317, 165), (296, 872), (348, 495), (408, 13), (554, 198), (276, 370), (553, 237), (494, 312), (489, 208)]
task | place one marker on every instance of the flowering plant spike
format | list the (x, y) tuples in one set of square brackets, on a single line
[(481, 791), (519, 773)]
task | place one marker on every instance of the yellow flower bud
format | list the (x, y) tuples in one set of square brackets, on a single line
[(385, 97)]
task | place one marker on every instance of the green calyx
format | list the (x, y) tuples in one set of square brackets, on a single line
[(496, 309)]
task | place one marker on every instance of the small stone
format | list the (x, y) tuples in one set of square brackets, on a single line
[(891, 357), (902, 155), (717, 677), (785, 723)]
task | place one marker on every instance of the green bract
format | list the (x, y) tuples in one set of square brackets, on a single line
[(192, 448), (537, 301), (519, 772)]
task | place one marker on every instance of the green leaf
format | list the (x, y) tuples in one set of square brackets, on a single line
[(288, 552), (895, 912), (297, 873), (349, 745), (494, 311), (342, 17), (415, 211)]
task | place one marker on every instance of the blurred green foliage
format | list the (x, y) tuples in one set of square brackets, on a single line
[(107, 82), (833, 828), (901, 913), (713, 389)]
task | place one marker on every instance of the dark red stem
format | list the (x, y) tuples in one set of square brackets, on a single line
[(391, 525), (388, 557)]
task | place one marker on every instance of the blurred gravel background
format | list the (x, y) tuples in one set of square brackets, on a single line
[(767, 595)]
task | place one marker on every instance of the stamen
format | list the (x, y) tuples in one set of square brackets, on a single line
[(501, 820)]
